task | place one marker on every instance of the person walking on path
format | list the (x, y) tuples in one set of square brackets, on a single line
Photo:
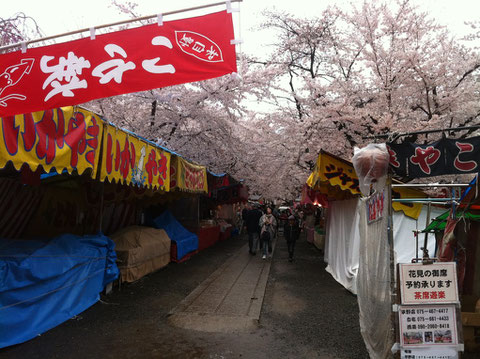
[(268, 224), (291, 232), (252, 219), (245, 211)]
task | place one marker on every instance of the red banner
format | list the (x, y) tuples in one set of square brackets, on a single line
[(133, 60)]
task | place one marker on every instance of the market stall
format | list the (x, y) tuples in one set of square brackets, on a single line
[(411, 293), (334, 185), (70, 171), (68, 174)]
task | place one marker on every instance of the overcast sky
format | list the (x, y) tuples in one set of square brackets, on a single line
[(57, 16)]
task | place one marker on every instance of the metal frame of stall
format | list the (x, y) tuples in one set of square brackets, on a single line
[(425, 259)]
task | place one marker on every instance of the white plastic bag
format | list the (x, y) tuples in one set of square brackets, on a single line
[(371, 165)]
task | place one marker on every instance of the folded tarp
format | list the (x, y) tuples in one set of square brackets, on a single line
[(140, 251), (185, 240), (44, 283)]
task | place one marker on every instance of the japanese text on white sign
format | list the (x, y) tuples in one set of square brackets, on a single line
[(433, 283), (422, 326)]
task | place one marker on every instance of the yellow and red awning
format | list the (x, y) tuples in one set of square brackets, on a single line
[(77, 140), (129, 160), (337, 179), (187, 176), (61, 139)]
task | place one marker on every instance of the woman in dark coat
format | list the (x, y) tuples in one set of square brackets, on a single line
[(291, 232)]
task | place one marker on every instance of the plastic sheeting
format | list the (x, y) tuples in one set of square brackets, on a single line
[(185, 240), (43, 284), (371, 166), (373, 285)]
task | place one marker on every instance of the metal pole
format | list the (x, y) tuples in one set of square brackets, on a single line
[(141, 18), (387, 135), (425, 200), (416, 239), (393, 293), (414, 185), (100, 221), (454, 207), (425, 242)]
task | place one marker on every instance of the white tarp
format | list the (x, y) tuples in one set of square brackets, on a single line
[(343, 239), (404, 239)]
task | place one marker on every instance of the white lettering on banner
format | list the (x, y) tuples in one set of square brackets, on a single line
[(186, 41), (66, 70), (116, 67), (199, 46), (211, 53), (151, 65), (428, 284)]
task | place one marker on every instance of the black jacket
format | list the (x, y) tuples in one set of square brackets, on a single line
[(253, 217), (291, 232), (244, 214)]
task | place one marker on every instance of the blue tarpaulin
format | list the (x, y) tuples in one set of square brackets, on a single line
[(44, 283), (185, 240)]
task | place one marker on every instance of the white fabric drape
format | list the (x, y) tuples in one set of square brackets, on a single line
[(343, 239)]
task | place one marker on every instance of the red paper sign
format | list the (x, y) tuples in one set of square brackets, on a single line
[(133, 60)]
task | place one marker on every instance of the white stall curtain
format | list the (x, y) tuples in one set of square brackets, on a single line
[(343, 239)]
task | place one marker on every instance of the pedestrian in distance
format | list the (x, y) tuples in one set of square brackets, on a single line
[(252, 219), (245, 210), (291, 232), (268, 225)]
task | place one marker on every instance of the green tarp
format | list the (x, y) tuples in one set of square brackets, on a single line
[(438, 224)]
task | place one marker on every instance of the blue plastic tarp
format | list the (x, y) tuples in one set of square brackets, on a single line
[(185, 240), (44, 283)]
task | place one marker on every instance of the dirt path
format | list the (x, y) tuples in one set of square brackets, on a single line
[(305, 314)]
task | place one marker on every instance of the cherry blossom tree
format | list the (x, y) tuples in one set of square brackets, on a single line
[(330, 80), (373, 69), (18, 27)]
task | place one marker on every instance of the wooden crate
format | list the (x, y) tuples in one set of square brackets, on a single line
[(470, 324)]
